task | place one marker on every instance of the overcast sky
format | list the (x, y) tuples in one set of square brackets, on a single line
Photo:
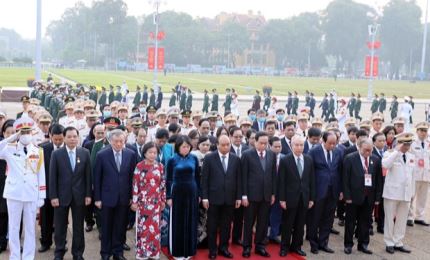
[(20, 14)]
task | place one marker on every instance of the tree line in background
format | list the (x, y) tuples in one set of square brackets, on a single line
[(103, 33)]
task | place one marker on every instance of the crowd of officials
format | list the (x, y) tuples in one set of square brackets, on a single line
[(186, 179)]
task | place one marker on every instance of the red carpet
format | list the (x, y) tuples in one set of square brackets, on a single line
[(237, 252)]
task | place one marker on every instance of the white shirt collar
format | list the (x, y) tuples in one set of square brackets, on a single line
[(73, 150), (221, 155), (296, 157), (258, 152)]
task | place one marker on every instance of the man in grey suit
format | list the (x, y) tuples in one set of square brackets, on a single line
[(70, 188)]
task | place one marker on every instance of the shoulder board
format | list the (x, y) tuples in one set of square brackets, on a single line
[(12, 144)]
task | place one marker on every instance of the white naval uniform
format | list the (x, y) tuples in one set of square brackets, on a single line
[(25, 191), (131, 138), (399, 188), (39, 136), (422, 179), (186, 130), (152, 131), (66, 121)]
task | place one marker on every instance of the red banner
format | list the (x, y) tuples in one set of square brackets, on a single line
[(151, 58), (367, 66), (375, 45)]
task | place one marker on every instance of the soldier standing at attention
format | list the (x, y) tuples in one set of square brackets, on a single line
[(111, 94), (183, 100), (227, 102), (137, 97), (351, 105), (295, 103), (172, 101), (205, 102), (25, 188), (394, 107), (214, 106), (331, 105), (324, 108), (289, 103), (257, 100), (189, 100), (382, 103), (266, 101), (375, 104), (357, 107)]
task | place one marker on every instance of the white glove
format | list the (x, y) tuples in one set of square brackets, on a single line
[(13, 138), (40, 203)]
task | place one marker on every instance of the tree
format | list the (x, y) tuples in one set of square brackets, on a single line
[(400, 32), (345, 24)]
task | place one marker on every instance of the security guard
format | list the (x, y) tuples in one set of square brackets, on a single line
[(25, 188), (399, 188), (421, 149)]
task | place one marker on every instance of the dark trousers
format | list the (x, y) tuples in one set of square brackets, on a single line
[(260, 211), (61, 215), (114, 221), (219, 217), (3, 229), (357, 214), (46, 223), (131, 218), (275, 220), (237, 224), (340, 210), (89, 215), (293, 225), (322, 220), (380, 215)]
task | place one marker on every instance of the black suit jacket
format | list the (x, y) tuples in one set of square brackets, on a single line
[(66, 184), (285, 147), (346, 144), (218, 187), (48, 148), (89, 145), (291, 186), (353, 179), (243, 148), (258, 185), (349, 150), (133, 147)]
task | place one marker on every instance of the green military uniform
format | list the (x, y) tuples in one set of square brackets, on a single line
[(152, 99), (118, 96), (183, 101), (394, 108), (227, 102), (172, 101), (382, 104), (331, 107), (214, 106), (111, 96), (351, 105), (205, 103), (48, 99), (102, 99), (375, 105), (295, 106), (137, 98), (189, 100), (357, 108)]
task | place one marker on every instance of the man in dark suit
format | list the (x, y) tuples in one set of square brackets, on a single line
[(138, 145), (259, 187), (296, 192), (362, 188), (352, 136), (113, 176), (70, 188), (237, 148), (289, 132), (47, 211), (379, 148), (314, 137), (258, 124), (221, 193), (328, 170)]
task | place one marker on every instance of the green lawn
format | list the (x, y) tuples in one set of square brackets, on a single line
[(17, 77), (242, 84)]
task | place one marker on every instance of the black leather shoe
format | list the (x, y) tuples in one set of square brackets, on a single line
[(237, 242), (212, 256), (422, 223), (43, 249), (364, 249), (402, 249), (341, 223), (334, 231), (347, 250), (88, 228), (262, 252), (389, 249), (225, 253), (283, 253), (2, 249), (299, 252), (314, 251), (380, 230), (126, 247), (246, 252), (119, 257), (410, 223), (275, 240), (327, 249), (105, 258), (78, 258), (371, 233)]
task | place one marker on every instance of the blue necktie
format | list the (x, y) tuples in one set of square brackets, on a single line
[(72, 159), (328, 158)]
